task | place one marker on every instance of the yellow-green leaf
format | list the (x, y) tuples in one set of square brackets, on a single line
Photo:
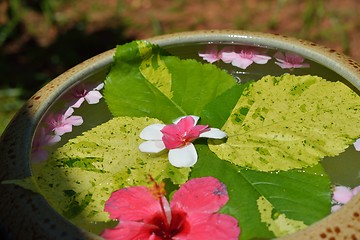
[(289, 122)]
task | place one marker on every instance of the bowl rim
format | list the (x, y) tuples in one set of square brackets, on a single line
[(25, 122)]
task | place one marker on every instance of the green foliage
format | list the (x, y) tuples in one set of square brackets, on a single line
[(288, 122)]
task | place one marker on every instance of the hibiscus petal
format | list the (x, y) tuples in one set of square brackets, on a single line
[(152, 146), (342, 194), (133, 204), (152, 132), (183, 157), (129, 230), (214, 133), (205, 194), (196, 119), (212, 226)]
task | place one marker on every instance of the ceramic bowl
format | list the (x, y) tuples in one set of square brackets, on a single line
[(27, 215)]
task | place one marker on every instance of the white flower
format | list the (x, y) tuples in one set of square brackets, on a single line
[(177, 138)]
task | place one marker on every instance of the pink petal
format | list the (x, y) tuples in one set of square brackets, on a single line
[(196, 119), (335, 208), (206, 195), (214, 133), (183, 157), (228, 57), (39, 155), (152, 132), (133, 204), (185, 124), (260, 59), (78, 103), (99, 87), (342, 194), (242, 63), (152, 146), (74, 120), (63, 129), (68, 112), (213, 226), (93, 97), (357, 145), (210, 54), (355, 190), (127, 230)]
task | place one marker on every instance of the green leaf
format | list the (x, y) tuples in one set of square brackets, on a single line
[(300, 195), (80, 176), (145, 82), (288, 122), (277, 222)]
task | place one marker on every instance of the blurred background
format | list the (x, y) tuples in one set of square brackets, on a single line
[(40, 39)]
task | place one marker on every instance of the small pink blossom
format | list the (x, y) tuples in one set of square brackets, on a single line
[(192, 213), (42, 139), (177, 138), (343, 195), (290, 60), (357, 145), (81, 94), (243, 57), (62, 123), (210, 54)]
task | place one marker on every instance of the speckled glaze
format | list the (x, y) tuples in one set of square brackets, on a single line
[(26, 215)]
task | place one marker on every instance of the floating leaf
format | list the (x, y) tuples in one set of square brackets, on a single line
[(302, 195), (277, 222), (80, 176), (143, 82), (289, 122)]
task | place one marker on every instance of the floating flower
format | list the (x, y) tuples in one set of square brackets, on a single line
[(42, 139), (343, 195), (91, 97), (62, 123), (177, 138), (357, 145), (290, 60), (211, 54), (243, 57), (145, 213)]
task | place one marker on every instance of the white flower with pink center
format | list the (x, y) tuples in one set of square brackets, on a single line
[(177, 138)]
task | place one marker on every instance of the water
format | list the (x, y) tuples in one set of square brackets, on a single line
[(343, 169)]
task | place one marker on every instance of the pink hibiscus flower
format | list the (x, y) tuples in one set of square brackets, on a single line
[(62, 123), (343, 195), (191, 214), (42, 139), (177, 138), (290, 60), (243, 57), (81, 94)]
